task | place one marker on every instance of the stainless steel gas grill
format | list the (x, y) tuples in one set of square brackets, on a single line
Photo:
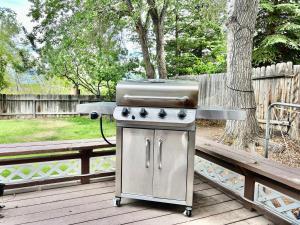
[(156, 138), (156, 141)]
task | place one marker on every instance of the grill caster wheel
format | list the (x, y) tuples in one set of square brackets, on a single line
[(117, 201), (188, 212)]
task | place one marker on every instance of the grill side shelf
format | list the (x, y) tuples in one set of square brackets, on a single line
[(220, 114)]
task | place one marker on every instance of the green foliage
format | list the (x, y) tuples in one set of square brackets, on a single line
[(12, 55), (82, 40), (3, 82), (40, 85), (80, 43), (278, 32), (8, 29), (197, 42)]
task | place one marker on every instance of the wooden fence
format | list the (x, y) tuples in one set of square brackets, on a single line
[(275, 83), (41, 105)]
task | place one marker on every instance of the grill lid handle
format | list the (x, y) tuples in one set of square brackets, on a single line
[(148, 98)]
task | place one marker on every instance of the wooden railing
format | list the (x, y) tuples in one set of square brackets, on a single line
[(40, 163), (261, 184), (258, 182)]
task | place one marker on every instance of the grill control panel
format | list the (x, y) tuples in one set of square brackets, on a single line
[(155, 116)]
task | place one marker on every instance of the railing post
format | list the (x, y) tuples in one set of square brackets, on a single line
[(249, 190), (85, 165)]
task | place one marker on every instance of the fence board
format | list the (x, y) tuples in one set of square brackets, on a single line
[(41, 105), (274, 83)]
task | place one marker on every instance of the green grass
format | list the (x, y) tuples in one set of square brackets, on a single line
[(70, 128)]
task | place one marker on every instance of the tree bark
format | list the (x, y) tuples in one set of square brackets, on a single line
[(241, 27), (158, 25), (176, 38), (160, 50), (143, 39)]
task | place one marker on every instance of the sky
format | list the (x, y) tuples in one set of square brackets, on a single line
[(21, 7)]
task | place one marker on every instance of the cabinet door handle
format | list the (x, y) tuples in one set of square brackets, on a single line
[(147, 153), (160, 142)]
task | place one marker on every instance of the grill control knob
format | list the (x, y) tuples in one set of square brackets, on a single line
[(143, 112), (162, 113), (125, 111), (182, 114)]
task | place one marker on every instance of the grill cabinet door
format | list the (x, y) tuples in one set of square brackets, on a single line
[(170, 164), (137, 161)]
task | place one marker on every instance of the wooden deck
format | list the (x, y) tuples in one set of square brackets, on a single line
[(92, 204)]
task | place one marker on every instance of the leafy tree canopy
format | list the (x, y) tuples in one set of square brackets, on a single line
[(81, 42), (12, 56), (197, 41), (278, 32)]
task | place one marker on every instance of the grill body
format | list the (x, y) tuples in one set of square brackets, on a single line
[(156, 140)]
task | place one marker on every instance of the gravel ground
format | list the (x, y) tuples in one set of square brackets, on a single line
[(289, 155)]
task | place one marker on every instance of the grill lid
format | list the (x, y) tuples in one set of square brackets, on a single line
[(158, 93)]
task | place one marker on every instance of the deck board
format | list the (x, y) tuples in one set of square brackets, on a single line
[(92, 204), (253, 221)]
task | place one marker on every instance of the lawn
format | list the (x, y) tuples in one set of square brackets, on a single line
[(52, 129)]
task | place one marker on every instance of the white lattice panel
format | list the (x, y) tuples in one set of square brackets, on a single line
[(36, 171), (282, 205), (279, 203), (221, 175), (103, 164)]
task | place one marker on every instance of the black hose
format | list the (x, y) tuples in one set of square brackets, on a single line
[(102, 133)]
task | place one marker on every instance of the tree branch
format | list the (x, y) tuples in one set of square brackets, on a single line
[(164, 9), (65, 74), (147, 20), (153, 11), (82, 82), (129, 5), (98, 87)]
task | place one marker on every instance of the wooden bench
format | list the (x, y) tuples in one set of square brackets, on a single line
[(14, 154), (254, 168)]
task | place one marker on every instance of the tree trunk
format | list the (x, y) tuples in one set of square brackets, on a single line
[(241, 27), (158, 25), (77, 90), (160, 49), (176, 40), (143, 38)]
